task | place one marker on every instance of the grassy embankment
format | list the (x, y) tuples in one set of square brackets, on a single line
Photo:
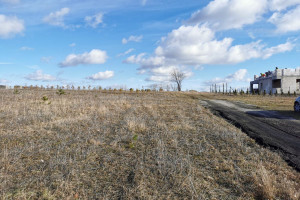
[(87, 145)]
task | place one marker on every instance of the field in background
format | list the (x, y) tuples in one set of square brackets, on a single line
[(282, 104), (160, 145)]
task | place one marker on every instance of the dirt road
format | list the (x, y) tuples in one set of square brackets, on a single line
[(268, 128)]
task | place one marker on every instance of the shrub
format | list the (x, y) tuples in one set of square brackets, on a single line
[(16, 91), (45, 98), (131, 89), (60, 92)]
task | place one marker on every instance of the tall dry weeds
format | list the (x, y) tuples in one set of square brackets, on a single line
[(92, 145)]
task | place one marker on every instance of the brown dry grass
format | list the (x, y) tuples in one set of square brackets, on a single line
[(282, 104), (88, 145)]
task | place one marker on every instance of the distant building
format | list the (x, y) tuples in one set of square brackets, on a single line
[(3, 87), (17, 87), (280, 81)]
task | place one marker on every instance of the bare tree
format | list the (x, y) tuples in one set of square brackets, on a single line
[(178, 77)]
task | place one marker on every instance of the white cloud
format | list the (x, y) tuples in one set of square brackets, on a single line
[(132, 38), (4, 81), (10, 1), (94, 20), (234, 14), (163, 73), (95, 56), (197, 46), (26, 48), (144, 2), (72, 45), (57, 18), (126, 52), (101, 75), (150, 62), (288, 46), (3, 63), (40, 76), (239, 75), (10, 26), (279, 5), (286, 22), (46, 59), (230, 14)]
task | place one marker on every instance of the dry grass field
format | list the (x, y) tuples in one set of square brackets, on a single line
[(282, 104), (160, 145)]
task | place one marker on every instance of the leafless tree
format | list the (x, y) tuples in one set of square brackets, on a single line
[(178, 77)]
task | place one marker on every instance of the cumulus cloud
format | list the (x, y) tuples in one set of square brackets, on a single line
[(239, 75), (40, 76), (163, 73), (101, 75), (10, 26), (288, 21), (145, 62), (197, 46), (288, 46), (234, 14), (57, 18), (94, 20), (279, 5), (95, 56), (72, 45), (230, 14), (132, 38)]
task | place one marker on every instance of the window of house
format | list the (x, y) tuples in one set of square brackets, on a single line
[(297, 80), (276, 83)]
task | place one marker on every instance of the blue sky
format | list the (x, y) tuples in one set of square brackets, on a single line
[(138, 43)]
